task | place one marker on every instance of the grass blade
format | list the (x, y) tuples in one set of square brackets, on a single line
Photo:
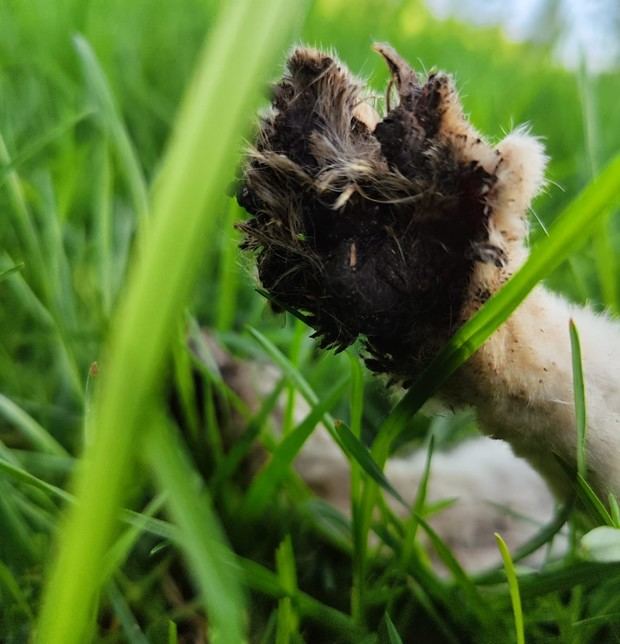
[(128, 622), (513, 585), (360, 540), (392, 634), (362, 456), (288, 622), (411, 525), (264, 581), (580, 399), (234, 457), (29, 427), (614, 510), (436, 616), (9, 271), (198, 165), (22, 476), (200, 536), (595, 507), (106, 108), (567, 577), (23, 223), (542, 537), (265, 483), (460, 576), (229, 271), (122, 547), (11, 585), (348, 442)]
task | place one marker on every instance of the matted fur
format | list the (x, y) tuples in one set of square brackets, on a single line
[(396, 228)]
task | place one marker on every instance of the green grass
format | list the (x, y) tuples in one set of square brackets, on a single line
[(120, 128), (513, 585)]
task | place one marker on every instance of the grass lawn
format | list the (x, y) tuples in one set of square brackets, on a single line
[(121, 128)]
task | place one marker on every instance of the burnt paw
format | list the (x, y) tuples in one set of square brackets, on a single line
[(368, 226)]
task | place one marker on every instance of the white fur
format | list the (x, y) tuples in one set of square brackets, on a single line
[(520, 382)]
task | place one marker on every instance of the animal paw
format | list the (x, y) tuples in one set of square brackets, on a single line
[(386, 228)]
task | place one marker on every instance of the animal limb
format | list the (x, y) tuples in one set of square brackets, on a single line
[(397, 228)]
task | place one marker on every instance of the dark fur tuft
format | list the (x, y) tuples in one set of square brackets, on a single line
[(368, 228)]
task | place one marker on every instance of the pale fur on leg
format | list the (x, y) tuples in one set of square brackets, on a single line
[(520, 382)]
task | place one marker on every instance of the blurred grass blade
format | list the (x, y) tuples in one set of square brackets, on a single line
[(106, 108), (140, 521), (567, 577), (104, 226), (37, 145), (27, 298), (439, 618), (606, 619), (513, 585), (128, 622), (28, 426), (199, 163), (11, 585), (541, 538), (392, 634), (411, 525), (288, 621), (614, 509), (264, 581), (229, 270), (23, 222), (264, 485), (19, 544), (18, 474), (362, 456), (606, 263), (31, 301), (243, 445), (569, 232), (604, 256), (347, 441), (209, 559), (460, 576), (360, 541), (122, 547), (580, 399), (9, 271)]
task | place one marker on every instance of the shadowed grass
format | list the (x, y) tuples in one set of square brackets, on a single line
[(211, 562)]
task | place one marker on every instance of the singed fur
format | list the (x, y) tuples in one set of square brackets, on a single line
[(397, 229)]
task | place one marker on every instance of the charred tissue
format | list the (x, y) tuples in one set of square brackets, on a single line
[(368, 225)]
